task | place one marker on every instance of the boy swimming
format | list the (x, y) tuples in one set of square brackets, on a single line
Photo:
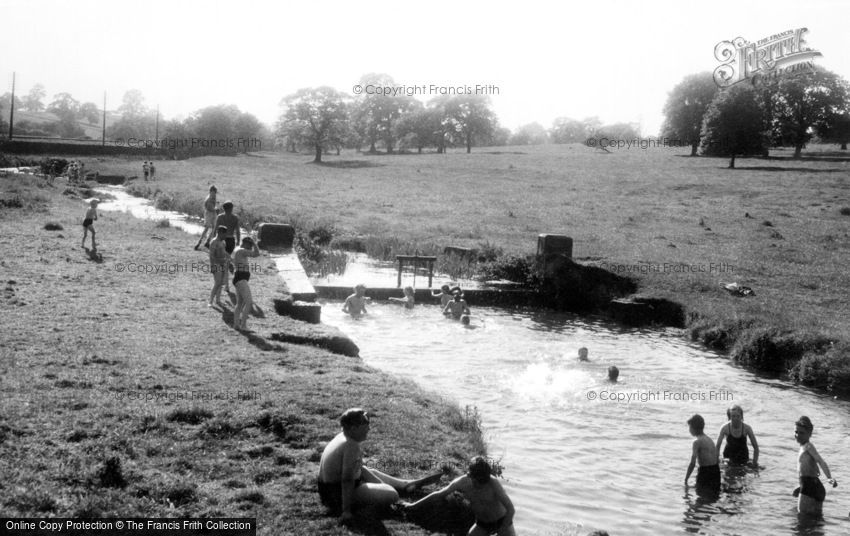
[(582, 354), (493, 509), (457, 307), (409, 298), (355, 305), (704, 451)]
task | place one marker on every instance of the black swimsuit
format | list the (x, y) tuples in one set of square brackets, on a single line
[(492, 527), (736, 447), (87, 222), (241, 276)]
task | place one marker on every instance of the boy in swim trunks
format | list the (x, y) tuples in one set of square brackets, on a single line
[(88, 223), (811, 492), (493, 509), (234, 231), (355, 305), (736, 433), (704, 451), (219, 263), (345, 483), (241, 275), (210, 216)]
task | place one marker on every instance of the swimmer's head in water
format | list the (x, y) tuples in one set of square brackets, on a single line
[(733, 409), (227, 206), (479, 470), (408, 291), (613, 373), (464, 320), (353, 417), (359, 288), (445, 289), (582, 354), (697, 424)]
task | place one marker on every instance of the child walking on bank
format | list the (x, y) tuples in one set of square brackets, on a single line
[(704, 451), (493, 509), (88, 223)]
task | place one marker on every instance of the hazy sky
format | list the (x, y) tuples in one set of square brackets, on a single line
[(614, 59)]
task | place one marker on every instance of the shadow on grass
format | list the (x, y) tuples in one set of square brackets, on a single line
[(348, 164), (799, 170), (94, 255)]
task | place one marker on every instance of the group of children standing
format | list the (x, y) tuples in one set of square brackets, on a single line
[(810, 494), (226, 257), (149, 170)]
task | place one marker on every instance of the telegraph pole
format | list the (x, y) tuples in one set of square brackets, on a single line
[(103, 135), (12, 108)]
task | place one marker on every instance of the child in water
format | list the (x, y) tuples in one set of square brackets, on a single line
[(355, 305), (613, 374), (704, 451), (736, 433), (408, 301), (445, 295), (88, 222), (457, 307), (811, 493), (493, 509), (582, 354)]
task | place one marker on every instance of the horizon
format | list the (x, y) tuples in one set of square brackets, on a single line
[(573, 62)]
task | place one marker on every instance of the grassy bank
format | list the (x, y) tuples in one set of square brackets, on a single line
[(124, 394), (679, 226)]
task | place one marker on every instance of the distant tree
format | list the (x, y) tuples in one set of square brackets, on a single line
[(64, 105), (248, 128), (836, 131), (567, 130), (685, 107), (469, 118), (618, 131), (315, 116), (421, 128), (806, 102), (530, 134), (734, 124), (501, 136), (133, 105), (32, 102), (374, 113), (89, 112), (6, 99)]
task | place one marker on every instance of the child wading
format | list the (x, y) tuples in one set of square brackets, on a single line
[(811, 493), (704, 451)]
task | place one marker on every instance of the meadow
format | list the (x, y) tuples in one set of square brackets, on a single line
[(679, 225)]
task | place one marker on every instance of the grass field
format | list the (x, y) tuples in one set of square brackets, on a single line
[(776, 225), (123, 394)]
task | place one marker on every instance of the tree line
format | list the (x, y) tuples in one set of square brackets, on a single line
[(748, 119)]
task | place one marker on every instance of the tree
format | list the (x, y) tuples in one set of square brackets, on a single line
[(470, 117), (530, 134), (133, 105), (66, 108), (316, 117), (6, 99), (805, 102), (32, 102), (734, 124), (375, 110), (567, 130), (836, 131), (89, 112), (685, 107), (421, 128), (618, 131), (136, 120)]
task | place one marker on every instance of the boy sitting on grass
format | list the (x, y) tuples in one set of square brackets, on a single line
[(708, 476), (493, 510)]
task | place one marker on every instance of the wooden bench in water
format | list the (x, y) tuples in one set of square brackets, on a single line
[(416, 261)]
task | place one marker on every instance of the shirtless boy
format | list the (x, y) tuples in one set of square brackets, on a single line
[(219, 262), (210, 215), (345, 483), (811, 493), (355, 305), (457, 307), (704, 451), (88, 221), (493, 509), (241, 276)]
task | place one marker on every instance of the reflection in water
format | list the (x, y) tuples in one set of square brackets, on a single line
[(580, 453)]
